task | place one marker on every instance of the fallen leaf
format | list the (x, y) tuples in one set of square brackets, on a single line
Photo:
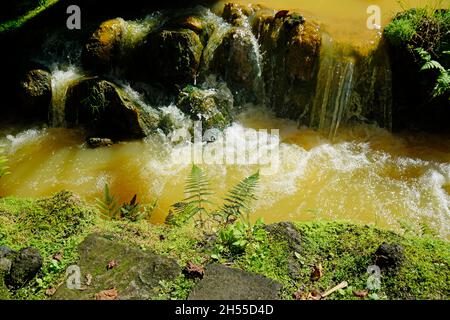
[(195, 270), (50, 292), (317, 272), (111, 294), (112, 264), (88, 279), (58, 257), (361, 294)]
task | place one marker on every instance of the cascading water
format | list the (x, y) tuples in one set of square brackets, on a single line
[(334, 88), (364, 173)]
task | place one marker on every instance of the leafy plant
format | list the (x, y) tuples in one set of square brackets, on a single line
[(442, 85), (3, 164), (197, 190), (108, 206), (132, 211), (240, 198)]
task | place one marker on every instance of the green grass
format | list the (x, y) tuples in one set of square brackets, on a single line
[(19, 21)]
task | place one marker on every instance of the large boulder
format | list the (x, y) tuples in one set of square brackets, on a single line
[(173, 56), (105, 110), (238, 61), (25, 265), (213, 107), (292, 49), (103, 49), (223, 283), (35, 94), (107, 264)]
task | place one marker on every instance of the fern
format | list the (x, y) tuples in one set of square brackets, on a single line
[(442, 85), (131, 210), (197, 190), (108, 206), (3, 164), (239, 199)]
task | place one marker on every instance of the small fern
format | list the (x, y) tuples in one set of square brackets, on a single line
[(108, 206), (240, 198), (3, 164), (442, 85), (197, 190)]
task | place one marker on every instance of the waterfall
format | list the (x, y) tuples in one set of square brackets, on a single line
[(334, 88), (61, 80)]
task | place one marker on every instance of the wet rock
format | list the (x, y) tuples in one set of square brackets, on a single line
[(213, 107), (35, 94), (6, 256), (237, 60), (94, 143), (173, 56), (103, 49), (292, 49), (237, 14), (389, 256), (6, 252), (136, 276), (223, 283), (190, 23), (25, 265), (287, 232), (106, 110)]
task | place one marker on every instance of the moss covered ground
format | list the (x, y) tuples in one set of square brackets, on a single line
[(344, 250)]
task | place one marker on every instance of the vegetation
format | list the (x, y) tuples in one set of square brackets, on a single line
[(425, 32), (33, 8), (3, 164), (131, 211), (442, 85)]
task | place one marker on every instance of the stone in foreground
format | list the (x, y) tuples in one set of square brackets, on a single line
[(135, 276), (223, 283)]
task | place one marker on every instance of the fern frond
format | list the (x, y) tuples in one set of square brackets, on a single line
[(429, 65), (239, 199), (3, 164), (197, 193), (108, 206), (442, 84)]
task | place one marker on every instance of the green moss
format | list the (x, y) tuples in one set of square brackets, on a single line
[(53, 225), (344, 250), (19, 21)]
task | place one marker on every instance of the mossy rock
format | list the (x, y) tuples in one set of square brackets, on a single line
[(213, 107), (173, 56), (136, 275), (223, 283), (35, 94), (106, 111), (292, 46), (103, 49)]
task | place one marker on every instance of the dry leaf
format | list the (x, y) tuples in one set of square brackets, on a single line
[(195, 270), (111, 294), (317, 272), (58, 257), (50, 292), (361, 294), (88, 279), (112, 264)]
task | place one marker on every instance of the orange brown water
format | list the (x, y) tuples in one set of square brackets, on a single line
[(365, 174)]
